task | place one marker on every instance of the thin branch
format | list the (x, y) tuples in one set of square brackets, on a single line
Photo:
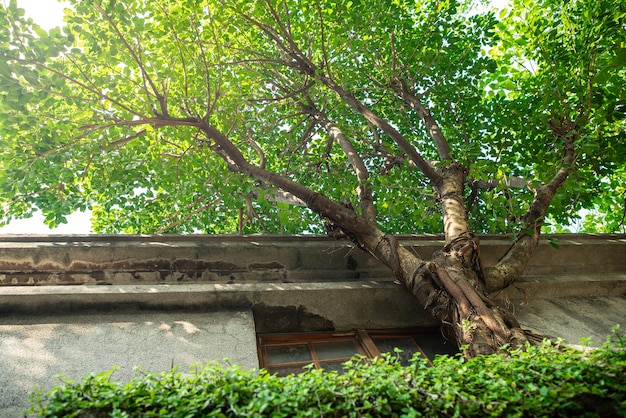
[(123, 141), (160, 97), (211, 102), (144, 86), (323, 40), (190, 214), (160, 121), (97, 93), (443, 147), (179, 44), (289, 95), (394, 55), (251, 212)]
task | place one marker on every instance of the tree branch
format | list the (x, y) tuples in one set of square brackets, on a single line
[(127, 139), (443, 147), (514, 262), (364, 190), (190, 214), (296, 59), (510, 182), (144, 73), (414, 156)]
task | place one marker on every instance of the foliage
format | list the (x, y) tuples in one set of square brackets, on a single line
[(546, 380), (79, 110), (565, 60)]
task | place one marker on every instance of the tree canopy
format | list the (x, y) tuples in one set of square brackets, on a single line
[(360, 101)]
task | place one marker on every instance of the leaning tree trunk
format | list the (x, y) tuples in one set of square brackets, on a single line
[(452, 285)]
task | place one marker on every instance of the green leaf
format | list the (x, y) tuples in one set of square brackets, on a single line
[(620, 54)]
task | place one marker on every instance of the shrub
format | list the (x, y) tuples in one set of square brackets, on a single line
[(547, 380)]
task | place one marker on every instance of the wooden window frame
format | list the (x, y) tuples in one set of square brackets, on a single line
[(308, 339), (362, 339)]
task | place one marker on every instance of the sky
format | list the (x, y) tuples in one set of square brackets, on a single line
[(47, 13)]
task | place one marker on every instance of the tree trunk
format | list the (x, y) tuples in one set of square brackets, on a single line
[(451, 287)]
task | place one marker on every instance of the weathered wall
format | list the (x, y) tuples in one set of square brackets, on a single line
[(180, 259), (310, 282), (35, 349), (81, 304), (128, 259)]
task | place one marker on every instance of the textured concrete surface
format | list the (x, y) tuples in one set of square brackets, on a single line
[(573, 319), (345, 304), (33, 350), (154, 259)]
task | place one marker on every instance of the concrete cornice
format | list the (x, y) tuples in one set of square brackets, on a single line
[(234, 270), (266, 237), (110, 259)]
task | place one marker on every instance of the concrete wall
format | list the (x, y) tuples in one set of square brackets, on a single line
[(79, 304), (128, 259), (326, 284), (35, 349)]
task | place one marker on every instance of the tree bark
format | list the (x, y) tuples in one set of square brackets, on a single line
[(452, 287)]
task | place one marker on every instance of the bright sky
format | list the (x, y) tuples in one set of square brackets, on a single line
[(47, 13)]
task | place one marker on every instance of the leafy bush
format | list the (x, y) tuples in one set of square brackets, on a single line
[(548, 380)]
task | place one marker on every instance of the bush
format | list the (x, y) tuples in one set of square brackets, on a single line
[(548, 380)]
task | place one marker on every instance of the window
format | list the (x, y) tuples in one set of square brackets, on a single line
[(288, 353)]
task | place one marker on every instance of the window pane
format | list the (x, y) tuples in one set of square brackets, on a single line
[(388, 345), (286, 370), (433, 345), (288, 353), (334, 365), (342, 349)]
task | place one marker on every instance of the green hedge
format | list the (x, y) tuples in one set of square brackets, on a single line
[(542, 381)]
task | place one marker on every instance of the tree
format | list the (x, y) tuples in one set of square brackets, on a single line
[(377, 117)]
